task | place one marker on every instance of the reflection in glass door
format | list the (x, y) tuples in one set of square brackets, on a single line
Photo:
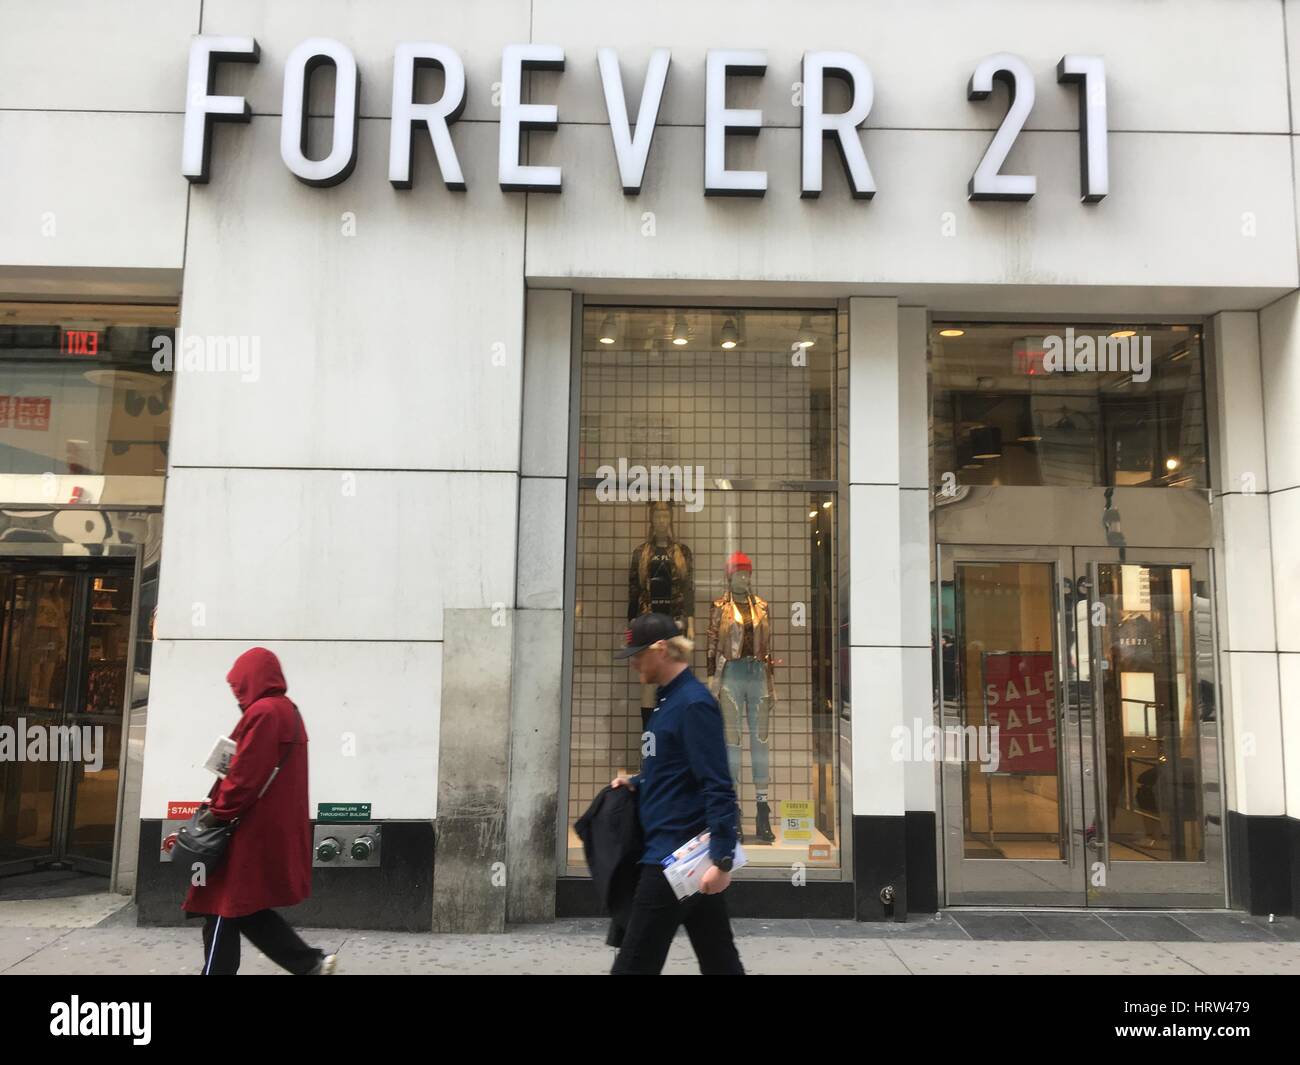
[(34, 660), (1153, 808), (64, 652), (1081, 760), (1010, 772)]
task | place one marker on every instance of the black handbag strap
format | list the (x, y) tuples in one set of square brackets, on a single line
[(276, 771)]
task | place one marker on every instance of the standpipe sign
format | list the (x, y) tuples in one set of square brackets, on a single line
[(1083, 74)]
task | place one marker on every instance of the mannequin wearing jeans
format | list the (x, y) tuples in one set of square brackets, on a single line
[(740, 673)]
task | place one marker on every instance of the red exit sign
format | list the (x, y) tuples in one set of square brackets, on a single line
[(80, 342)]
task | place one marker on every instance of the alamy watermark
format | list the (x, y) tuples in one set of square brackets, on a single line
[(1098, 354), (193, 353), (53, 743), (77, 1018), (954, 743), (647, 484)]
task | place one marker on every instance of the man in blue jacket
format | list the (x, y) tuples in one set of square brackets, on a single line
[(684, 788)]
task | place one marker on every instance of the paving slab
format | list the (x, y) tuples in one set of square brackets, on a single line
[(990, 958), (76, 911), (1240, 958), (19, 943)]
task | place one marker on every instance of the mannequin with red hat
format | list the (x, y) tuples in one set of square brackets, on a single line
[(740, 675)]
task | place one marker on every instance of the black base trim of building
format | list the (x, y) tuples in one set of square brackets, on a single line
[(395, 897), (880, 867), (1263, 863), (922, 862)]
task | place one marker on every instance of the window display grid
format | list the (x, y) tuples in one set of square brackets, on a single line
[(770, 527), (740, 415)]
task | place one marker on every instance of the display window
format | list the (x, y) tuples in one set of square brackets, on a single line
[(1071, 405), (707, 490), (85, 408)]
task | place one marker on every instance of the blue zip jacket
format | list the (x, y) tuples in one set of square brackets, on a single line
[(685, 781)]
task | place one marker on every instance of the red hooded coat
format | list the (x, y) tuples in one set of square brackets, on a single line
[(268, 859)]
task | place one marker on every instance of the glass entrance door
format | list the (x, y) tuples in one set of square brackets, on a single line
[(1147, 679), (1081, 759), (64, 650)]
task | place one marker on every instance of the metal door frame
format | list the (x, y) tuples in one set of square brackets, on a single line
[(1154, 884), (1037, 882), (36, 568), (1157, 884), (83, 571)]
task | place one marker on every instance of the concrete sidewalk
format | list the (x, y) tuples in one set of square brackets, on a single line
[(96, 935)]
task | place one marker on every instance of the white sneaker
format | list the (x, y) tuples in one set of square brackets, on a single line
[(327, 967)]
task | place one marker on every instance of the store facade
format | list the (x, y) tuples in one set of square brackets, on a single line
[(962, 447)]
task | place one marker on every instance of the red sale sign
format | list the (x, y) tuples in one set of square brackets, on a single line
[(1020, 699)]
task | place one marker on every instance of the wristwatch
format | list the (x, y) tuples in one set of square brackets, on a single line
[(723, 863)]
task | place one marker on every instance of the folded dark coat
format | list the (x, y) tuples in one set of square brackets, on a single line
[(612, 840)]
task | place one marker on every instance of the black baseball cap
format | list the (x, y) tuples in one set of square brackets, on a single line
[(646, 630)]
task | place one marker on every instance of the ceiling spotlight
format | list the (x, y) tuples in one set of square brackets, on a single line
[(826, 505), (730, 337), (1171, 464), (1124, 333), (805, 338), (681, 334), (986, 442), (607, 330), (1026, 431), (952, 332)]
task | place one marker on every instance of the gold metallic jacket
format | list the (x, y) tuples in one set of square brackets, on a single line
[(727, 634)]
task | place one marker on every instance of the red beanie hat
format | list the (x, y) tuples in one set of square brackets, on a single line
[(739, 561)]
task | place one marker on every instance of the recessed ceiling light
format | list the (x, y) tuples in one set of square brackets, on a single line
[(806, 338), (1124, 333), (730, 336), (952, 332)]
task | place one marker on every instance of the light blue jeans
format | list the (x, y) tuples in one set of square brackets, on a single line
[(742, 694)]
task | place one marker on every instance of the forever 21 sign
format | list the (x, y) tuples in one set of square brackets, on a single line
[(631, 142)]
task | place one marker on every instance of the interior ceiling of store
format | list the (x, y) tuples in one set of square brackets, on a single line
[(757, 329), (987, 358)]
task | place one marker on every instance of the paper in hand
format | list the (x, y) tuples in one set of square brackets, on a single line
[(218, 761), (685, 867)]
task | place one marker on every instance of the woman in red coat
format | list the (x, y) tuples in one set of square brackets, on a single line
[(268, 860)]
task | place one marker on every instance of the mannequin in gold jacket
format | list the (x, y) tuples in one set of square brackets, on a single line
[(740, 675)]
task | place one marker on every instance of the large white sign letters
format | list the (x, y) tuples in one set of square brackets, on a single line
[(1085, 74)]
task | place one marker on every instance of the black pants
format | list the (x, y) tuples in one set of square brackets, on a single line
[(656, 915), (267, 931)]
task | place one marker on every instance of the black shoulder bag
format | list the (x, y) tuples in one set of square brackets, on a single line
[(204, 839)]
